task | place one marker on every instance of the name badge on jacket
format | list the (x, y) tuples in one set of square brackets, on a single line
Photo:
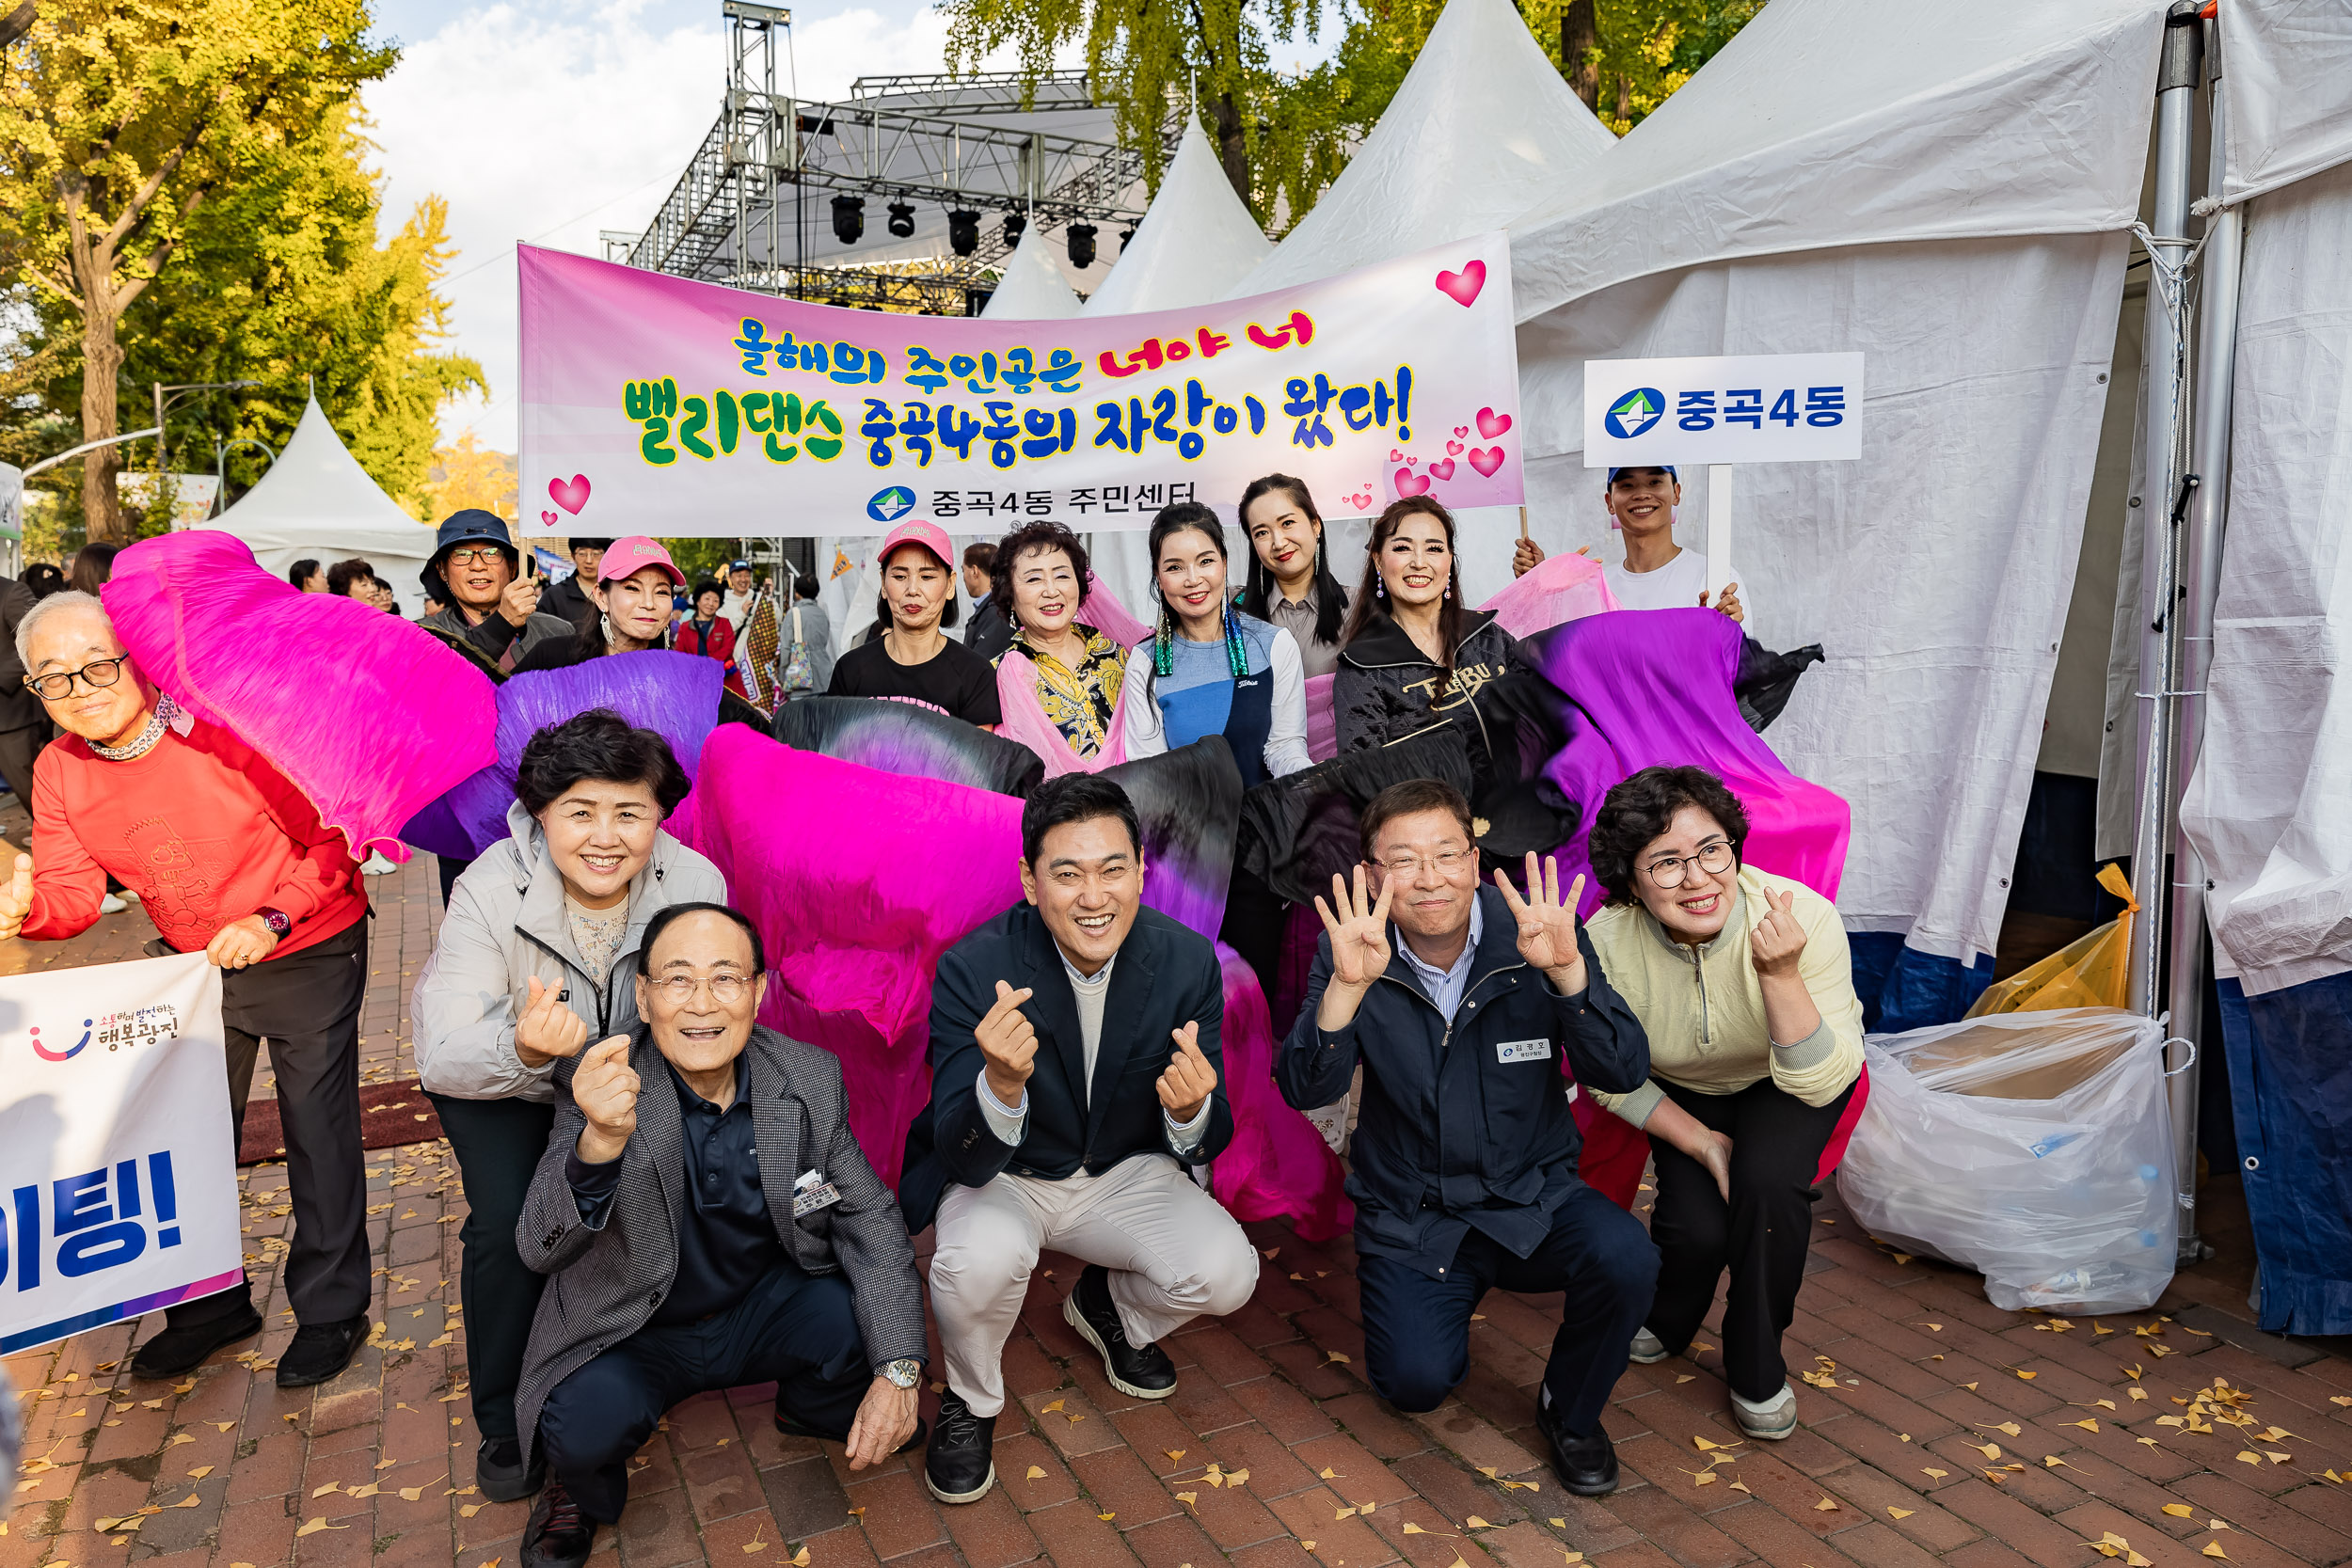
[(1523, 1051), (811, 1192)]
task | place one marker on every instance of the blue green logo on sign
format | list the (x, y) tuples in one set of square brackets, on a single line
[(1634, 413), (890, 505)]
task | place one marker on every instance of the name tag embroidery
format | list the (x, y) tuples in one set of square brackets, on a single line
[(1523, 1051)]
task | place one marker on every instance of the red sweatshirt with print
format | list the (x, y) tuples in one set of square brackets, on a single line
[(202, 828)]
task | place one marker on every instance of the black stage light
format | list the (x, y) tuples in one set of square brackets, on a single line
[(963, 230), (849, 218), (1126, 236), (1015, 224), (902, 220), (1081, 237)]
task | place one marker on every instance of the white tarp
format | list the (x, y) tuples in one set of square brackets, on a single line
[(317, 503), (1196, 241), (1032, 286), (2266, 805), (1953, 211), (1482, 127)]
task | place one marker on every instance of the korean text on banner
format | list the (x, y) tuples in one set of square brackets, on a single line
[(657, 404), (1727, 409), (117, 1163)]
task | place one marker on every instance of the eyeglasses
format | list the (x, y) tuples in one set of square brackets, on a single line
[(1668, 871), (725, 989), (1447, 862), (481, 556), (59, 684)]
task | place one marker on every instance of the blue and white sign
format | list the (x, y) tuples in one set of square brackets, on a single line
[(1729, 408), (118, 1162)]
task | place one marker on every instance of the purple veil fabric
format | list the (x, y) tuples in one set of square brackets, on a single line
[(369, 717)]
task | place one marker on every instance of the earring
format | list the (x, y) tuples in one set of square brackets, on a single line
[(1380, 588), (1449, 591)]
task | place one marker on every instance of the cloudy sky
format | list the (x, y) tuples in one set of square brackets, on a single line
[(546, 120)]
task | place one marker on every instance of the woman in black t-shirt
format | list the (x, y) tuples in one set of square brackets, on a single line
[(908, 658)]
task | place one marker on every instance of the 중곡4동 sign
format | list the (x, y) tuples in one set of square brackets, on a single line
[(1724, 408)]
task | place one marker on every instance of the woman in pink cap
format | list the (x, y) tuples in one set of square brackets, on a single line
[(629, 607), (909, 659)]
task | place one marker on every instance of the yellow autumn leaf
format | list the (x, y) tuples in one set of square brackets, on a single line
[(1188, 1499), (1327, 1473), (799, 1558), (1825, 1506), (314, 1526), (2088, 1423), (467, 1511), (1937, 1327), (1474, 1522), (2178, 1511), (1741, 1486), (1343, 1513), (1335, 1356), (2027, 1376), (1370, 1506), (1939, 1475), (1049, 1409), (191, 1500), (2246, 1458), (1107, 1518), (1176, 1454), (199, 1472), (1308, 1545), (2007, 1429), (331, 1486), (1411, 1528), (2213, 1548), (1990, 1450), (1036, 1473), (2277, 1458), (1235, 1478), (1900, 1513)]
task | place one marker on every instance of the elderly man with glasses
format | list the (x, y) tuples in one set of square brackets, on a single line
[(231, 861), (1465, 1174), (491, 611), (706, 1221)]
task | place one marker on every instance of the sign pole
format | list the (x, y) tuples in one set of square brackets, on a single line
[(1718, 529), (1522, 522)]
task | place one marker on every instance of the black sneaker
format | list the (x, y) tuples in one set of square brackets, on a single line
[(498, 1469), (791, 1426), (183, 1348), (559, 1534), (1586, 1466), (319, 1352), (1138, 1372), (960, 1466)]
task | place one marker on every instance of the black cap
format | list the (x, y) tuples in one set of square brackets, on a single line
[(472, 526)]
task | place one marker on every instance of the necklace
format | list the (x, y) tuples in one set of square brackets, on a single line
[(165, 711)]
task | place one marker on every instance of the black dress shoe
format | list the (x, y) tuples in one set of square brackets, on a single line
[(182, 1348), (1138, 1372), (559, 1534), (1586, 1466), (960, 1466), (319, 1352), (792, 1427), (498, 1469)]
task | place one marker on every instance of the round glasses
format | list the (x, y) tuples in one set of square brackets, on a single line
[(725, 989), (1669, 871), (59, 684)]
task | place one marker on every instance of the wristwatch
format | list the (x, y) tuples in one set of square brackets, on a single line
[(903, 1373), (278, 921)]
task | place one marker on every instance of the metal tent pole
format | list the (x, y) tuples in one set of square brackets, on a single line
[(2200, 579), (2161, 476)]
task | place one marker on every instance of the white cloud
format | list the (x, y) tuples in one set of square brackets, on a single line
[(543, 123)]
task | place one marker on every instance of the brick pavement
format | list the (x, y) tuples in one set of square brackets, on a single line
[(1946, 1431)]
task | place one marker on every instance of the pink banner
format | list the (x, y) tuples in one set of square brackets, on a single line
[(655, 405)]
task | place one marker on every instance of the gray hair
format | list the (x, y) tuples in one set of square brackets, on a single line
[(56, 604)]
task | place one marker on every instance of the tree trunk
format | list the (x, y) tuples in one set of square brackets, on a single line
[(101, 361), (1232, 150), (1625, 98), (1580, 46)]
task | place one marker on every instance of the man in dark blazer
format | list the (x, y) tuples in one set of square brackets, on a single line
[(1075, 1070), (706, 1221)]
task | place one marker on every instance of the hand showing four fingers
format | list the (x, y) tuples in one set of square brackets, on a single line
[(1547, 923)]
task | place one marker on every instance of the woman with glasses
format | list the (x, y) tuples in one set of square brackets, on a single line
[(533, 962), (1742, 982)]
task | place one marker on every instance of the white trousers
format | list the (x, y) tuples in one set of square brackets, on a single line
[(1174, 1253)]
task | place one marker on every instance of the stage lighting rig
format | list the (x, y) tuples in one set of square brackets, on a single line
[(1014, 225), (902, 220), (849, 218), (963, 230), (1081, 237)]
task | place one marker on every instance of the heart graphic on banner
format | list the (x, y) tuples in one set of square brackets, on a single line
[(1491, 424), (547, 517), (1360, 502), (1461, 430), (1443, 470), (1462, 287), (1454, 449), (1410, 483), (571, 495), (1486, 459), (1395, 456)]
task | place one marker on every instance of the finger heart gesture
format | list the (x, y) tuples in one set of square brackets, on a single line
[(1776, 945)]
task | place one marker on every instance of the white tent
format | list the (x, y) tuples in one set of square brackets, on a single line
[(1032, 286), (1196, 241), (1481, 128), (317, 503), (1956, 211)]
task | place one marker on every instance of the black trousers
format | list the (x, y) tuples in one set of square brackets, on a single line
[(308, 1007), (1761, 1235), (497, 1144), (18, 748), (1417, 1330), (790, 1328)]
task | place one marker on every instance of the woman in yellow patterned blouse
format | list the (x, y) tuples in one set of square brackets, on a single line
[(1075, 670)]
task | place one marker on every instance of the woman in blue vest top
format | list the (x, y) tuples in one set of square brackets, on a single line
[(1211, 669)]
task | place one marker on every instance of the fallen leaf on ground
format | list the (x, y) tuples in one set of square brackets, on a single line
[(2213, 1548), (199, 1472), (2246, 1458), (2088, 1423), (1937, 1474), (1049, 1409), (1327, 1473), (1343, 1513), (2178, 1511), (1741, 1486), (331, 1486), (1825, 1506), (1335, 1356), (1107, 1518), (317, 1524), (467, 1511), (1900, 1513), (2027, 1376), (2008, 1429), (1990, 1450), (1188, 1499), (1474, 1522)]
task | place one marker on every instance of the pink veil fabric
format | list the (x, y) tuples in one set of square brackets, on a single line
[(1322, 719), (1024, 721), (1564, 588), (1277, 1164), (369, 717), (1105, 614)]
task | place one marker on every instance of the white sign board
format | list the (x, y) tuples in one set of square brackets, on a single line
[(117, 1161), (1725, 408)]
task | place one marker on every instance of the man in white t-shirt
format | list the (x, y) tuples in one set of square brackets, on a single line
[(1656, 572)]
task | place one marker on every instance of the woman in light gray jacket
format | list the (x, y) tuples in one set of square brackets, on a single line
[(533, 963)]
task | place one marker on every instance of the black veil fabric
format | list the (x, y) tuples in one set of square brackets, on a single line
[(912, 741)]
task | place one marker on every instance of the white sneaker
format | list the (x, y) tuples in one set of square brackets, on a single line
[(131, 893), (1770, 1421), (1646, 1348), (111, 904), (376, 865)]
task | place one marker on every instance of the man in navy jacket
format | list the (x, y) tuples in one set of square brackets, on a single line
[(1075, 1070), (1465, 1156)]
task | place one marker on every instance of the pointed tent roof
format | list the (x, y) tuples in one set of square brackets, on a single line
[(1032, 286), (1480, 130), (1196, 241), (317, 502)]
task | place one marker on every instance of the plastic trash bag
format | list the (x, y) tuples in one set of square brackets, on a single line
[(2035, 1147), (2093, 971)]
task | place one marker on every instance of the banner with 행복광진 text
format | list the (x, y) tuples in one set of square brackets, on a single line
[(118, 1162), (655, 405)]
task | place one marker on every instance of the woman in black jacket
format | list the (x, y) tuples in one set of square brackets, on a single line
[(1413, 656)]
